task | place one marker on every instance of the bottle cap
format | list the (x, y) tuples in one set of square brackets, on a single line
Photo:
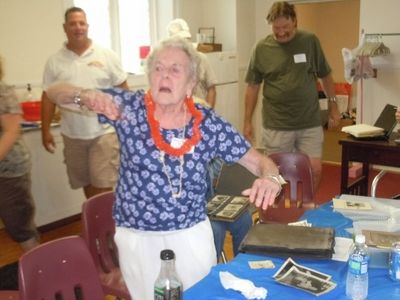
[(360, 238), (167, 254)]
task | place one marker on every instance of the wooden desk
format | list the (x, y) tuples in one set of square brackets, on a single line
[(385, 153)]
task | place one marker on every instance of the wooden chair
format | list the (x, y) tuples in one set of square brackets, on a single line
[(297, 195), (59, 269), (98, 232), (9, 295)]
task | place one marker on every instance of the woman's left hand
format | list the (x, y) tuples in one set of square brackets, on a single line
[(263, 192)]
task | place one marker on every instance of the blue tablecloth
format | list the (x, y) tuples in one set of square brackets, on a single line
[(324, 216), (380, 286)]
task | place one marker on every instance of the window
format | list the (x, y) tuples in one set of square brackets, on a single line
[(121, 25)]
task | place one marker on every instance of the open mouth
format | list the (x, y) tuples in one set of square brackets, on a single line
[(164, 90)]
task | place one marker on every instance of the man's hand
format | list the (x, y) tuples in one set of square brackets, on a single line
[(48, 141)]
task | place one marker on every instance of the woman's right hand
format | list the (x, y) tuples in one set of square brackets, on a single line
[(101, 103)]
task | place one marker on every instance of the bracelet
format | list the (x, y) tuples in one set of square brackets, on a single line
[(332, 99), (77, 98), (279, 180)]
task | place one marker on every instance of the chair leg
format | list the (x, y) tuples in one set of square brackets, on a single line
[(223, 257)]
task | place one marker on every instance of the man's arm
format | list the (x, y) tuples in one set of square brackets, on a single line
[(47, 114), (123, 85), (329, 88), (251, 98), (11, 131), (211, 96)]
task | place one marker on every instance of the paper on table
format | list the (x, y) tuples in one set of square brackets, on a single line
[(363, 130), (342, 248), (246, 287)]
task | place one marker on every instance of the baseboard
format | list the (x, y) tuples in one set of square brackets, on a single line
[(59, 223)]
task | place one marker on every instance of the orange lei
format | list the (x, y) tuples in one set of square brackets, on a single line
[(155, 128)]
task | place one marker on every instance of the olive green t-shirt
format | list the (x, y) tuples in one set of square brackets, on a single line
[(289, 72)]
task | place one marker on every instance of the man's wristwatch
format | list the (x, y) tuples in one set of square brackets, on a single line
[(332, 99)]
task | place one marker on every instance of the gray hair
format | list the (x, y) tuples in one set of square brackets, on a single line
[(179, 43)]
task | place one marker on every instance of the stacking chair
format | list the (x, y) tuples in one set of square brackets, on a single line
[(297, 195), (98, 232), (59, 269), (9, 295)]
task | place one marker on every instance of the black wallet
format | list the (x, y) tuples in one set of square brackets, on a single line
[(289, 241)]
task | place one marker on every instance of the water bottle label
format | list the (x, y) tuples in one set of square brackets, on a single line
[(167, 294), (358, 265)]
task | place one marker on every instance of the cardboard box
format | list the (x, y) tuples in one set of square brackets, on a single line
[(206, 47)]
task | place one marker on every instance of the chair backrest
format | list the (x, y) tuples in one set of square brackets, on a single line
[(99, 229), (298, 194), (60, 269)]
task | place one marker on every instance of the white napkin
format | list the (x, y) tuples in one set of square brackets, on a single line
[(246, 287)]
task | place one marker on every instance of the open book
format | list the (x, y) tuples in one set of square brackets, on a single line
[(226, 208)]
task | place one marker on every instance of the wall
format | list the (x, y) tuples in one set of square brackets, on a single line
[(337, 26), (220, 14), (381, 17), (30, 31)]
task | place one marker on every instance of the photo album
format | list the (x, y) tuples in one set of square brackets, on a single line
[(226, 208)]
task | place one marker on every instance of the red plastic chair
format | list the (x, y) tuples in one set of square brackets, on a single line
[(98, 232), (297, 195), (9, 295), (59, 269)]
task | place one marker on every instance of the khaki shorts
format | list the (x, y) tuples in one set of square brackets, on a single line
[(93, 162), (309, 141), (17, 208)]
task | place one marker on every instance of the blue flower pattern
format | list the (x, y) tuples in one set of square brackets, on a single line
[(143, 196)]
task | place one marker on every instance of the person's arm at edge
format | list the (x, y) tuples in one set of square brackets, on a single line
[(329, 88), (11, 127), (251, 97), (47, 114), (211, 96), (264, 189)]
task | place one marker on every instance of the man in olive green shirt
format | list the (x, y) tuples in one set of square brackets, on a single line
[(289, 62)]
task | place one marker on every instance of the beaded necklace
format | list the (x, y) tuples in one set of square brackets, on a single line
[(166, 148), (159, 139)]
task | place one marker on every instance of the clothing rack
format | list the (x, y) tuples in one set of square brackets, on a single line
[(381, 34)]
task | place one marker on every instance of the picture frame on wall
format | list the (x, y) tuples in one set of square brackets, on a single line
[(206, 35)]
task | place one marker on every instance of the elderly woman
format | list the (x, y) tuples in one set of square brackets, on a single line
[(16, 203), (166, 145)]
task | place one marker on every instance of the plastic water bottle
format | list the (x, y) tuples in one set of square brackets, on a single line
[(357, 273), (168, 285)]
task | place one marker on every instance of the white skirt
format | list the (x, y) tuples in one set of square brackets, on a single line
[(139, 256)]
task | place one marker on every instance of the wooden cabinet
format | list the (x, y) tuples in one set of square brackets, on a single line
[(53, 196)]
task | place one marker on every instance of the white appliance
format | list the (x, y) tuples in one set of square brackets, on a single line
[(225, 66)]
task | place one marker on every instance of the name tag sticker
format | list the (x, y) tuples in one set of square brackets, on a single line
[(177, 143), (300, 58)]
